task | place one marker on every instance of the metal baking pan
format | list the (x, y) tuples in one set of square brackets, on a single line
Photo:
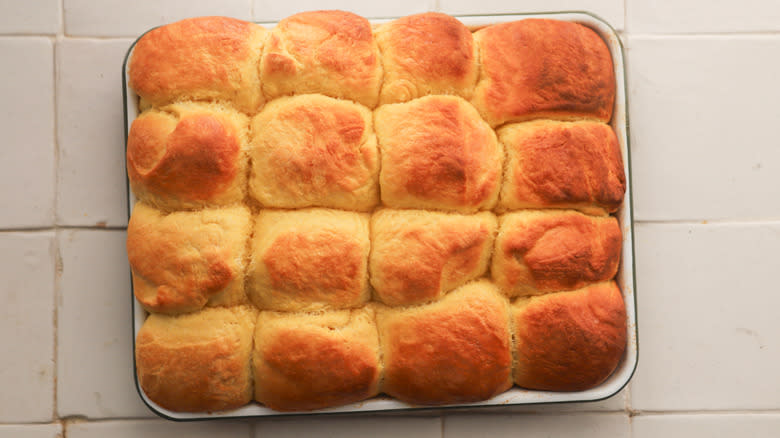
[(515, 396)]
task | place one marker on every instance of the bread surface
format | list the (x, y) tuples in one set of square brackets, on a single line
[(423, 54), (541, 68), (541, 251), (418, 256), (188, 155), (183, 261), (455, 350), (313, 150), (313, 361), (203, 58), (326, 52), (569, 341), (554, 164), (198, 361), (309, 259), (437, 153), (329, 211)]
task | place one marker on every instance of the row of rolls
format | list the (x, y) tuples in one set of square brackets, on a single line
[(328, 211)]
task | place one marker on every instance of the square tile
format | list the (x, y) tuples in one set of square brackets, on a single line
[(267, 10), (703, 127), (29, 16), (158, 429), (707, 425), (700, 16), (91, 186), (27, 156), (350, 427), (130, 19), (30, 430), (94, 319), (707, 314), (537, 426), (611, 11), (27, 313)]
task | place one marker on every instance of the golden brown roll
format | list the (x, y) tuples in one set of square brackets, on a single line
[(313, 150), (569, 341), (327, 52), (428, 53), (456, 350), (539, 68), (541, 251), (203, 58), (437, 153), (197, 362), (309, 259), (313, 361), (188, 155), (553, 164), (183, 261), (418, 256)]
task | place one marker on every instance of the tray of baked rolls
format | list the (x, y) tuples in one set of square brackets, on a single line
[(331, 214)]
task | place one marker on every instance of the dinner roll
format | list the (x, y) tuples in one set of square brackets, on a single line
[(313, 361), (455, 350), (428, 53), (437, 153), (183, 261), (541, 68), (309, 259), (553, 164), (418, 256), (569, 341), (198, 362), (202, 58), (326, 52), (313, 150), (541, 251), (188, 155)]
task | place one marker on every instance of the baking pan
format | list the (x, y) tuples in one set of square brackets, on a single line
[(515, 396)]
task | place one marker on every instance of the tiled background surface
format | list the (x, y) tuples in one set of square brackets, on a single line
[(706, 166)]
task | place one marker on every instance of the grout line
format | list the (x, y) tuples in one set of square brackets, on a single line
[(751, 221)]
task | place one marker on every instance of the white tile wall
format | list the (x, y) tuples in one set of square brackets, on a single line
[(91, 188), (26, 327), (27, 126), (708, 326), (612, 11), (702, 92), (702, 16), (704, 126), (538, 426), (30, 16), (762, 425), (95, 366), (272, 10), (112, 18), (350, 427), (30, 430)]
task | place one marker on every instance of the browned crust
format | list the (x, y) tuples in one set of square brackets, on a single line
[(562, 165), (186, 260), (437, 153), (203, 58), (428, 53), (188, 156), (569, 341), (456, 350), (540, 68), (327, 52), (546, 251), (197, 362), (418, 256), (304, 362)]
